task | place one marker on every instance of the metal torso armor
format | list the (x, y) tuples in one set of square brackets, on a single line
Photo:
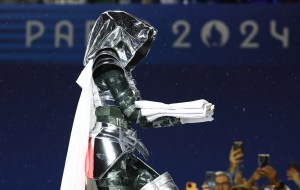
[(116, 140)]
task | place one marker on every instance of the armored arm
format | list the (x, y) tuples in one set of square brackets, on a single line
[(108, 75)]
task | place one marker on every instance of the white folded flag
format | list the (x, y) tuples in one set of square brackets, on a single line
[(152, 105), (188, 112), (149, 112)]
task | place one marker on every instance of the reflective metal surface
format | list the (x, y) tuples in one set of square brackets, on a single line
[(162, 182), (111, 144), (129, 37)]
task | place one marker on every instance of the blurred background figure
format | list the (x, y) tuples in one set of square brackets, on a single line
[(19, 1), (191, 186), (236, 165), (270, 173), (222, 181), (240, 187), (102, 1), (148, 1), (65, 1), (293, 174)]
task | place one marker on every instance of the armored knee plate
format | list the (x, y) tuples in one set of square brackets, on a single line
[(162, 182)]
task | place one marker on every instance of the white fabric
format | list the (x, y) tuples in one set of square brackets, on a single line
[(182, 105), (74, 177), (148, 112), (188, 112)]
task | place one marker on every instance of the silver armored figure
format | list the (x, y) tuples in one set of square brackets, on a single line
[(117, 43)]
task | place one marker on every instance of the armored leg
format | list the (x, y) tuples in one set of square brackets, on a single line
[(129, 173), (162, 182), (116, 178), (144, 176), (139, 173)]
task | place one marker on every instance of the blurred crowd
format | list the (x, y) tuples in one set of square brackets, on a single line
[(264, 177), (147, 1)]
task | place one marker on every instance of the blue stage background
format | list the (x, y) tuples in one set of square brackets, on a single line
[(242, 58)]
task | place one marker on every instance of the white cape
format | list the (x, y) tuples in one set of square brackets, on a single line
[(74, 177)]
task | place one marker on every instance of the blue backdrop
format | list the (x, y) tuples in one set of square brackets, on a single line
[(244, 59), (245, 34)]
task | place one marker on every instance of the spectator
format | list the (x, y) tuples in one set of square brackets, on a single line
[(222, 182), (235, 165), (19, 1), (102, 1), (64, 1), (235, 158), (240, 187), (270, 173), (293, 175)]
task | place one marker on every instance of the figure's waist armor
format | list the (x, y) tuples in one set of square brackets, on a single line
[(111, 144), (112, 115)]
